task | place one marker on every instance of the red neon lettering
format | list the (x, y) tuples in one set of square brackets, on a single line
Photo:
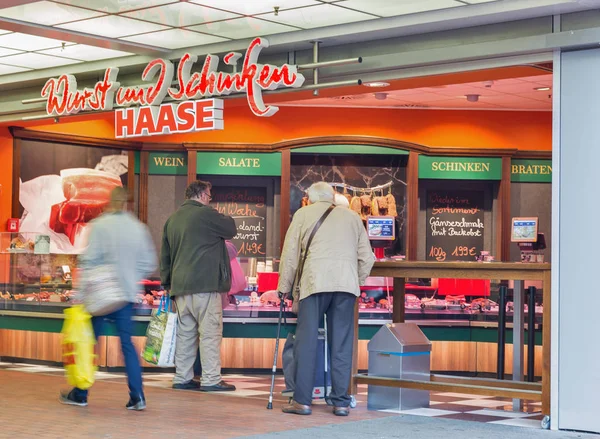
[(130, 95), (183, 76), (185, 114), (155, 94), (62, 96)]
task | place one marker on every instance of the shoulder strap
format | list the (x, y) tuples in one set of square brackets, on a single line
[(310, 238)]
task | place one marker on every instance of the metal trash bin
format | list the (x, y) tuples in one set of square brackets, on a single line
[(399, 350)]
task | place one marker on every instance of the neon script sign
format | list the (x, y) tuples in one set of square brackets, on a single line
[(63, 97)]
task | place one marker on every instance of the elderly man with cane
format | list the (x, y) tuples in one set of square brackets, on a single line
[(326, 258)]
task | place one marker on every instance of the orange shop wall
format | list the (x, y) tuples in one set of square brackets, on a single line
[(6, 162), (524, 130)]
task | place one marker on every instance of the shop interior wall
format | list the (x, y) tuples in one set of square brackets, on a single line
[(165, 195), (6, 164), (490, 190), (532, 199)]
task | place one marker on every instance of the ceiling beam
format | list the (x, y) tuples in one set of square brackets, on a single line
[(11, 3), (70, 36)]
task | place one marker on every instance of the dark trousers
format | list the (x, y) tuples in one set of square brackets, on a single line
[(124, 323), (339, 308), (198, 365)]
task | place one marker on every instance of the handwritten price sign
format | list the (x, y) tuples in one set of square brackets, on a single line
[(439, 254), (455, 225), (247, 206)]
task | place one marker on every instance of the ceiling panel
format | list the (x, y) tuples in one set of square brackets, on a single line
[(181, 14), (476, 2), (113, 26), (47, 13), (5, 51), (247, 7), (464, 104), (7, 70), (246, 27), (505, 94), (318, 16), (36, 61), (85, 53), (175, 39), (387, 8), (20, 41), (114, 6)]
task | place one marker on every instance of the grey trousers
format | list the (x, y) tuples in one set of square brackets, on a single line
[(339, 308), (200, 323)]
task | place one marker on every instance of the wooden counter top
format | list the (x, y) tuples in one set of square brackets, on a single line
[(462, 270)]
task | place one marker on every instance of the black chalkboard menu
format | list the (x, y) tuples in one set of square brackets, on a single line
[(247, 206), (454, 225)]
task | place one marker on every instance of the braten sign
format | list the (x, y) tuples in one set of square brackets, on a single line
[(143, 112)]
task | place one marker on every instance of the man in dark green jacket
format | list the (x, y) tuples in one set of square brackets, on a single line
[(194, 266)]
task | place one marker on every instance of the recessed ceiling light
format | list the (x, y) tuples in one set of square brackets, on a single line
[(377, 84), (542, 88)]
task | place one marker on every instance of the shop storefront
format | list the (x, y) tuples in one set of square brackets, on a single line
[(262, 185), (450, 180)]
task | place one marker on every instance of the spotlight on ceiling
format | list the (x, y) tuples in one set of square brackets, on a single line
[(472, 98), (377, 84), (542, 88), (381, 96)]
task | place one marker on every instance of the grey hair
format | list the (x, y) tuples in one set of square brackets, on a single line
[(320, 191), (341, 201)]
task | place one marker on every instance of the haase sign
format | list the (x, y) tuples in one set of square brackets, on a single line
[(151, 116), (185, 117)]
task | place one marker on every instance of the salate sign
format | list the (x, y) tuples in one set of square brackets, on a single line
[(141, 110)]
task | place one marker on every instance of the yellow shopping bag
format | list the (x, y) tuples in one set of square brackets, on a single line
[(79, 347)]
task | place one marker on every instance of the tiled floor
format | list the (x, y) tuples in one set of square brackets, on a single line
[(256, 388)]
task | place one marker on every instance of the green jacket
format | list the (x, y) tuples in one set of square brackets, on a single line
[(193, 257)]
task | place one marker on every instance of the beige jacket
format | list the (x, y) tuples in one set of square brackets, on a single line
[(339, 258)]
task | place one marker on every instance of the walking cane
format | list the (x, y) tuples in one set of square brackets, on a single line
[(274, 371)]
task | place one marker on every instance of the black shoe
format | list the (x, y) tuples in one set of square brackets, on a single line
[(190, 385), (69, 399), (136, 404), (341, 411), (220, 387)]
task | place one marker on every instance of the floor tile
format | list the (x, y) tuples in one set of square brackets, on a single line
[(470, 416), (454, 407), (421, 412), (525, 409), (500, 413), (34, 369), (159, 376), (441, 398), (480, 403), (246, 377), (463, 395), (523, 422), (250, 385), (244, 392)]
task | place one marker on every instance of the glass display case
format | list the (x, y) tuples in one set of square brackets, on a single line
[(31, 278)]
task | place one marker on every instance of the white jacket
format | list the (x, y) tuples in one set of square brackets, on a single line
[(339, 258)]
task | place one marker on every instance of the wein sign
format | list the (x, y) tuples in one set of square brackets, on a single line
[(193, 106)]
